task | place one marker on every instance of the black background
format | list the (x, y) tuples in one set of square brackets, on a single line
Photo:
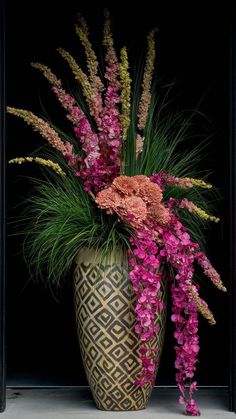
[(193, 50)]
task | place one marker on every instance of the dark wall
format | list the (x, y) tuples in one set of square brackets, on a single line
[(193, 51), (2, 209)]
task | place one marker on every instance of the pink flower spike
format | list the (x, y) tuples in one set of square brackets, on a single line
[(182, 400), (192, 409)]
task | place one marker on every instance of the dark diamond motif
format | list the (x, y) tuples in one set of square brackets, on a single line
[(93, 352), (117, 304), (105, 290), (105, 318), (106, 384), (117, 394), (108, 365), (105, 342), (83, 314), (104, 303), (126, 404), (119, 375), (130, 363), (93, 330), (117, 331), (93, 303), (118, 352)]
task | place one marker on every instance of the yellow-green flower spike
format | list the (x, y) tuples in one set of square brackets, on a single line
[(41, 161), (83, 25), (78, 73), (48, 74), (202, 214), (92, 62), (198, 182), (202, 307), (107, 33), (185, 203)]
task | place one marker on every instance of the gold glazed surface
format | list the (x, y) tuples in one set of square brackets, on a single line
[(105, 317)]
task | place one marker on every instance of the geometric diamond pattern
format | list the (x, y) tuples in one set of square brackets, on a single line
[(118, 352), (116, 331), (104, 307), (105, 290), (105, 317), (117, 304), (93, 303)]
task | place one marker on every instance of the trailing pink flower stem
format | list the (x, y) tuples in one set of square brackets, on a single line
[(146, 276)]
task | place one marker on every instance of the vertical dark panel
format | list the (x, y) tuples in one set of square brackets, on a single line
[(2, 207), (233, 215)]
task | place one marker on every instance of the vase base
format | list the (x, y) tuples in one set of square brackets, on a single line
[(134, 409)]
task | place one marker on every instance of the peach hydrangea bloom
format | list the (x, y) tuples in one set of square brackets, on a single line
[(134, 199), (150, 193), (136, 207), (108, 199), (159, 214), (141, 179), (126, 185)]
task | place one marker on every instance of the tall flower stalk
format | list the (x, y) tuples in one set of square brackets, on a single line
[(146, 94)]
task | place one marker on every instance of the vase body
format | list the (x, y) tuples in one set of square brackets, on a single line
[(105, 317)]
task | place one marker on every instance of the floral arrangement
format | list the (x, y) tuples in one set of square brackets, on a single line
[(120, 179)]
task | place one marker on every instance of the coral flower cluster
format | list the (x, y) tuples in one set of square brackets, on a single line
[(135, 200)]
